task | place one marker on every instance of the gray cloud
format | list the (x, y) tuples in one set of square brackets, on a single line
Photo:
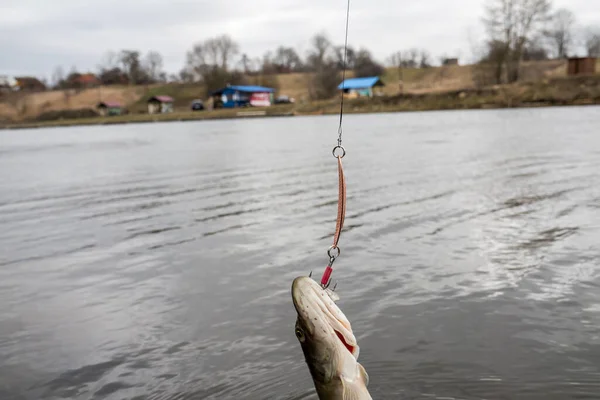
[(37, 35)]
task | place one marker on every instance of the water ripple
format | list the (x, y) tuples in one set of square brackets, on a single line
[(140, 265)]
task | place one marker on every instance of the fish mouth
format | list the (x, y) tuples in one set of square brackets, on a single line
[(315, 307), (348, 347)]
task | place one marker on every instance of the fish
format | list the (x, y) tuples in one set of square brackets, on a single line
[(328, 343)]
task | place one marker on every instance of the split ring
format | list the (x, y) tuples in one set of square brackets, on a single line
[(331, 255), (338, 155)]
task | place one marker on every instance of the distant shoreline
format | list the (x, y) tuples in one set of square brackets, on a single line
[(138, 119), (182, 117), (558, 92)]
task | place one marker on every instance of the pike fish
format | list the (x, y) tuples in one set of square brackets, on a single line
[(328, 343)]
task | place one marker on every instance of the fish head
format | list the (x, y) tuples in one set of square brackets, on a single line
[(324, 332)]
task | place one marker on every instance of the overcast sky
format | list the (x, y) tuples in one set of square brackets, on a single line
[(38, 35)]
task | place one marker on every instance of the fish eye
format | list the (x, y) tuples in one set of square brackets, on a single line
[(300, 334)]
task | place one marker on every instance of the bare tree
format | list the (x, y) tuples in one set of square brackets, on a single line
[(266, 71), (130, 60), (110, 71), (494, 58), (560, 33), (208, 61), (512, 23), (221, 50), (153, 64), (592, 42), (411, 56), (267, 66), (212, 53), (365, 65), (425, 59), (245, 62), (287, 60), (58, 76), (229, 49), (350, 57), (196, 63), (256, 63), (535, 50), (395, 59), (113, 76), (110, 60), (185, 76), (323, 84), (321, 49)]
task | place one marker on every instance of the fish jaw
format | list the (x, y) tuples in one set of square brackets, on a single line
[(328, 344), (320, 316)]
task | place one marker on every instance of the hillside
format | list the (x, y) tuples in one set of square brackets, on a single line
[(20, 106)]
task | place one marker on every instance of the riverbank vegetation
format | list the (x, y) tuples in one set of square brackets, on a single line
[(545, 93)]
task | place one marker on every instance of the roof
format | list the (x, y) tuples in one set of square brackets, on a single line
[(109, 104), (249, 89), (360, 83), (29, 81), (162, 99), (581, 58), (86, 78)]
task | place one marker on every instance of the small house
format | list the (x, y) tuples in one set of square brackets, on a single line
[(360, 87), (243, 96), (581, 66), (84, 80), (450, 61), (29, 84), (160, 104), (107, 108)]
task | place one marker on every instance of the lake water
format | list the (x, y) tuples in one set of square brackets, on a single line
[(155, 261)]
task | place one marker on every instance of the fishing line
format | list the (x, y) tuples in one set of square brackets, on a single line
[(344, 74), (339, 152)]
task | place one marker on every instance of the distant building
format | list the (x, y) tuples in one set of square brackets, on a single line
[(160, 104), (243, 96), (84, 80), (450, 61), (581, 66), (107, 108), (29, 84), (360, 87)]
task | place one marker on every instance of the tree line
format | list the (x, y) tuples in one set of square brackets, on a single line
[(217, 61), (526, 30), (124, 67), (515, 31)]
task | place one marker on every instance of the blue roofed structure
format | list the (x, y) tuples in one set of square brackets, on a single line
[(242, 96), (360, 86)]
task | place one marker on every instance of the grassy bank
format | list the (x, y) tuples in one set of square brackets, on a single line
[(550, 92), (276, 111), (23, 107)]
